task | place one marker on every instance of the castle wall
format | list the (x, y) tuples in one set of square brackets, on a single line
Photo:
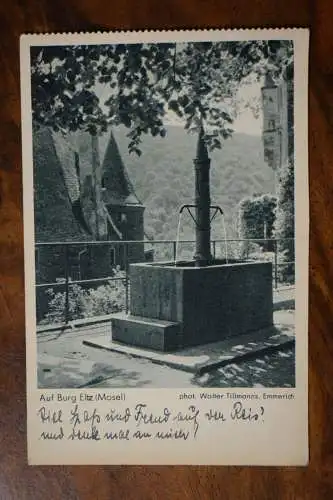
[(130, 222), (83, 263), (69, 207)]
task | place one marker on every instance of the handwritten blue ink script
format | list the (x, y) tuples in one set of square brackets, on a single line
[(139, 422)]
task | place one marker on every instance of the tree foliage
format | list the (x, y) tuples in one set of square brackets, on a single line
[(196, 81), (87, 303), (256, 217), (284, 226)]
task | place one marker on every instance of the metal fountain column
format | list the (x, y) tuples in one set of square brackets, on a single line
[(203, 254)]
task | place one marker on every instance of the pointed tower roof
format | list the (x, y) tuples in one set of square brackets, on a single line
[(55, 219), (118, 187)]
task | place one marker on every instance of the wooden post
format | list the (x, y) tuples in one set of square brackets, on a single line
[(126, 277), (66, 285)]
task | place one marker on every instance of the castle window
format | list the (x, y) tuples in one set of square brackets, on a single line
[(271, 124), (123, 218), (270, 157), (103, 182)]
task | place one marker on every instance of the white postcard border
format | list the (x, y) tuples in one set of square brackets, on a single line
[(282, 439)]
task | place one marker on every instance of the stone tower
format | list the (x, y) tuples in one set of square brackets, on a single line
[(109, 203), (275, 123), (124, 211)]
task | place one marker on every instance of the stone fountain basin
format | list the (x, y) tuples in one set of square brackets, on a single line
[(175, 306)]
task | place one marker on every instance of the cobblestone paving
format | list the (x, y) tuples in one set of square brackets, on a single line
[(64, 362), (274, 370)]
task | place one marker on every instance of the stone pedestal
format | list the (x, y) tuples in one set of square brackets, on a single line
[(172, 307)]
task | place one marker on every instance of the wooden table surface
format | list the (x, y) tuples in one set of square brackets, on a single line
[(17, 480)]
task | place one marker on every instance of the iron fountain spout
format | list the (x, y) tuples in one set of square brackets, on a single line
[(203, 256)]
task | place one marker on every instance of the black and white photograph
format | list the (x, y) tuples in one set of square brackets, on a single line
[(164, 202), (165, 194)]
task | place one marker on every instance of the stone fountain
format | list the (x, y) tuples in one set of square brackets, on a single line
[(174, 305)]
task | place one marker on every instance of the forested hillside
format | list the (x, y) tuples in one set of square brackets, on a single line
[(163, 178)]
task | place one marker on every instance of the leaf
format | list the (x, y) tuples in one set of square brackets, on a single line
[(173, 105), (202, 74), (126, 120), (184, 100)]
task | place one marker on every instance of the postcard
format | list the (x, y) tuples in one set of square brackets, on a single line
[(166, 231)]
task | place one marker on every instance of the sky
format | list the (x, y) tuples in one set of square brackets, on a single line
[(245, 123)]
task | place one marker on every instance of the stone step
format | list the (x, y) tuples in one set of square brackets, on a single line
[(146, 332)]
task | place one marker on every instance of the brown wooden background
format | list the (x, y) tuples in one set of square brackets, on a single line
[(17, 480)]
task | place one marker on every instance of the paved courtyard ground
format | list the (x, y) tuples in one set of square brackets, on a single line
[(65, 362)]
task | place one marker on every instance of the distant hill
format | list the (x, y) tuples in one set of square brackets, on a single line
[(163, 178)]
